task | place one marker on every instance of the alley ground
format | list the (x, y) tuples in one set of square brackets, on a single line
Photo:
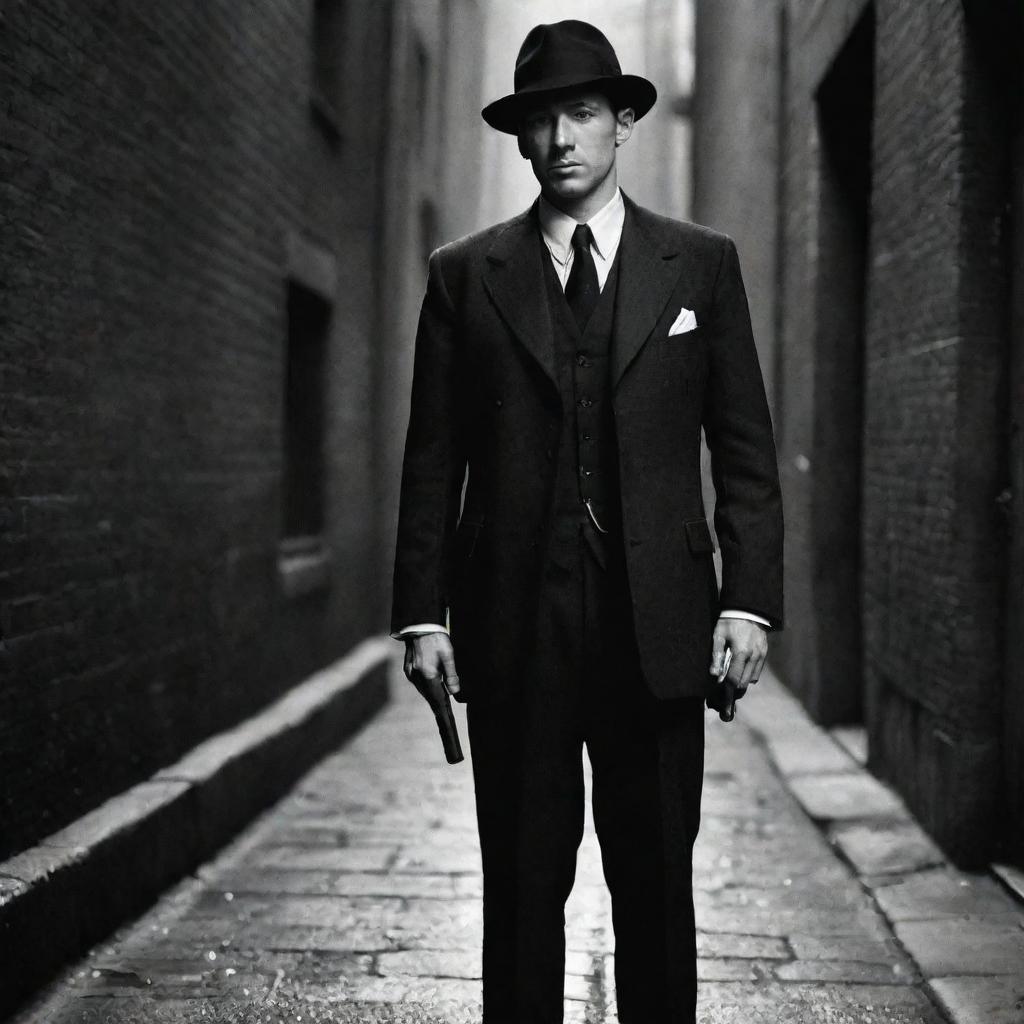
[(356, 898)]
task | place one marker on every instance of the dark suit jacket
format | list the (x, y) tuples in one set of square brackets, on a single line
[(485, 397)]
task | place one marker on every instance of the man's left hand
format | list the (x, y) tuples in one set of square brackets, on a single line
[(748, 642)]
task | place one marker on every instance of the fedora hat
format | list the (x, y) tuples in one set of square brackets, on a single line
[(567, 54)]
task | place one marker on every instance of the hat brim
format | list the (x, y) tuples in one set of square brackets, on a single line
[(633, 91)]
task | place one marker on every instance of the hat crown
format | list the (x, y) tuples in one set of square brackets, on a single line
[(567, 55), (564, 49)]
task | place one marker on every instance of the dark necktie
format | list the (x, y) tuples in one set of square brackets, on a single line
[(581, 290)]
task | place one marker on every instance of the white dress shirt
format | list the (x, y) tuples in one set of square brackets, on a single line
[(556, 228), (606, 226)]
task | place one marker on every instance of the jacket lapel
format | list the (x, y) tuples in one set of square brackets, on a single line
[(649, 268), (514, 278)]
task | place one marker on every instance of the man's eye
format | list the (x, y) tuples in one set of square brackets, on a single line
[(583, 115), (537, 121)]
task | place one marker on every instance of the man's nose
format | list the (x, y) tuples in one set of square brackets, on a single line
[(562, 134)]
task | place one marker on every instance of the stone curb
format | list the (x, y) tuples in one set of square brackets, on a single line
[(60, 897), (963, 930)]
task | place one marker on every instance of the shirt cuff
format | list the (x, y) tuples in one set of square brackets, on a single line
[(733, 613), (420, 629)]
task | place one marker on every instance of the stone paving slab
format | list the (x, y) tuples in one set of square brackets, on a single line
[(957, 946), (862, 949), (845, 971), (943, 893), (775, 1003), (809, 751), (357, 898), (325, 858), (997, 1000), (885, 848), (840, 796)]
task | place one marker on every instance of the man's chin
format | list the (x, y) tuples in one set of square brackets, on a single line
[(566, 190)]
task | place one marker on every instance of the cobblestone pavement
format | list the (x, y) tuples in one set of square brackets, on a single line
[(356, 898)]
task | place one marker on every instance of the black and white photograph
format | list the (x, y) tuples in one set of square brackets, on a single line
[(512, 512)]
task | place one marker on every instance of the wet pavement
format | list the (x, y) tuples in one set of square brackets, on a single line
[(357, 898)]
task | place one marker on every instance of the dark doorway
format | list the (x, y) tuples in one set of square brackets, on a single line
[(845, 102)]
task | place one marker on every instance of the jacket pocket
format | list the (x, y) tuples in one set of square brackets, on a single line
[(698, 537), (689, 345)]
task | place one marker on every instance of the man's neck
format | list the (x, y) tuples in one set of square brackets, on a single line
[(582, 209)]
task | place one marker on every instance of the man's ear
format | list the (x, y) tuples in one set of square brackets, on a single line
[(623, 124), (522, 147)]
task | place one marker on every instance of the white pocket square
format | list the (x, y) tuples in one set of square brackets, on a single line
[(686, 321)]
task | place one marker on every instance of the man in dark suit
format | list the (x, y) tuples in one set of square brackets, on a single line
[(568, 359)]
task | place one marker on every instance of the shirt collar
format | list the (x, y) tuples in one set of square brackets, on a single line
[(606, 225)]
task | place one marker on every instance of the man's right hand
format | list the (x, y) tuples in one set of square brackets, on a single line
[(430, 659)]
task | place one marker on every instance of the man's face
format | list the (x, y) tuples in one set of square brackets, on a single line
[(570, 141)]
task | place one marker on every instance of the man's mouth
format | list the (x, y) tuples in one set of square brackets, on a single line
[(563, 166)]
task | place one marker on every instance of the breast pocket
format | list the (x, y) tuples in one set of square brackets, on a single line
[(682, 362), (690, 345)]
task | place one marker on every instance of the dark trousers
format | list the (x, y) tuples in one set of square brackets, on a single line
[(585, 686)]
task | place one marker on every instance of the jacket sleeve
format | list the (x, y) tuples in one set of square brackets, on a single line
[(738, 428), (434, 464)]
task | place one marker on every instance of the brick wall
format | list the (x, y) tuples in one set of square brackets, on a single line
[(933, 447), (934, 355), (155, 159)]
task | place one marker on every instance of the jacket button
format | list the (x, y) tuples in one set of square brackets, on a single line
[(547, 454), (497, 402)]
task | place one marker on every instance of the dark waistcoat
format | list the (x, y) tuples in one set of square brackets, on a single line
[(587, 471)]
